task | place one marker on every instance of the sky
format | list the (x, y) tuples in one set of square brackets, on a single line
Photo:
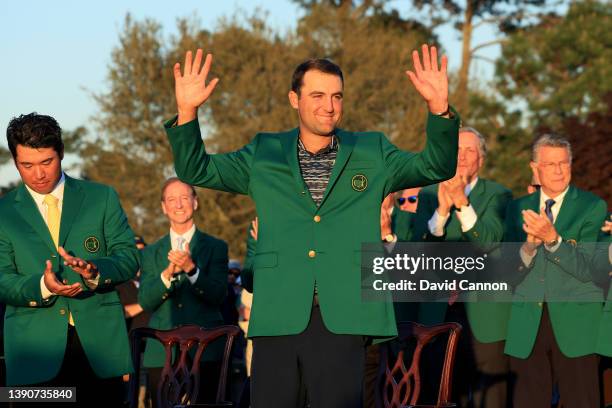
[(55, 54)]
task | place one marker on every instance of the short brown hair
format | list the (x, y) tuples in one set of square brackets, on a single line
[(174, 180), (314, 64)]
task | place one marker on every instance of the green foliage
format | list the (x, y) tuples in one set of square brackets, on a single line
[(254, 64), (5, 156), (560, 68)]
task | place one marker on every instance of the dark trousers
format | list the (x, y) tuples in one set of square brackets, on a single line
[(576, 378), (327, 367), (481, 372), (76, 372), (209, 382)]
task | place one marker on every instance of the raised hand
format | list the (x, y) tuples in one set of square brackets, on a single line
[(56, 287), (86, 269), (190, 87), (430, 80)]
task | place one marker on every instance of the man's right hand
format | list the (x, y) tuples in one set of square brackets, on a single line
[(444, 200), (170, 271), (531, 245), (56, 287), (190, 88)]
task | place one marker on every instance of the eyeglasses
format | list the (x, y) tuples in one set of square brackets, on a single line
[(411, 199), (536, 186)]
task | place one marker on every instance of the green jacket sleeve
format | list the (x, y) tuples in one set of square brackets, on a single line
[(152, 291), (226, 172), (122, 263), (247, 269), (16, 289), (211, 284), (402, 224), (489, 226), (576, 259), (437, 162)]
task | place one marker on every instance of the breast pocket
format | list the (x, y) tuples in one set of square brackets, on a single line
[(87, 240)]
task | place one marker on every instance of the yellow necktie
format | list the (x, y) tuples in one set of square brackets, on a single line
[(53, 223), (53, 217)]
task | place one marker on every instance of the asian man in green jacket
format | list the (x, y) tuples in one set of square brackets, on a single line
[(64, 245)]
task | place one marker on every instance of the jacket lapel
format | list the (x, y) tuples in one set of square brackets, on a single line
[(26, 207), (289, 143), (566, 213), (346, 143), (73, 198), (477, 195)]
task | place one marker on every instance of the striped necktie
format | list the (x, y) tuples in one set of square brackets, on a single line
[(548, 209)]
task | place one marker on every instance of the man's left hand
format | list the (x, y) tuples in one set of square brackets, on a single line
[(88, 270), (539, 226), (182, 259), (456, 190), (430, 80)]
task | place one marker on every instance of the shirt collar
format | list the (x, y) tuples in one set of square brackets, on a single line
[(333, 145), (470, 186), (187, 235), (558, 199), (57, 192)]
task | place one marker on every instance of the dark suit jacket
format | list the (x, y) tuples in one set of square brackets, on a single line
[(184, 303)]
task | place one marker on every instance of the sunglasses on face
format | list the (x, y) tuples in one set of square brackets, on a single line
[(411, 199)]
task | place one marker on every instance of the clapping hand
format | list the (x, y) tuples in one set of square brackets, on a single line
[(86, 269), (539, 226), (56, 287), (181, 259)]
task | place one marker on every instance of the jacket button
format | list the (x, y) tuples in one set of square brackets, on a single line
[(540, 304), (317, 218), (62, 311), (312, 253), (32, 303), (179, 305)]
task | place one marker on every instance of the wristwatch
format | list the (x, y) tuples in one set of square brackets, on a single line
[(446, 112), (193, 271)]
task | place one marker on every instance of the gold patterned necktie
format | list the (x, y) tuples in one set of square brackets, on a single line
[(53, 217)]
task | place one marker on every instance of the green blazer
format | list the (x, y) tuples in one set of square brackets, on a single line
[(567, 270), (93, 227), (184, 303), (603, 268), (299, 243), (489, 199)]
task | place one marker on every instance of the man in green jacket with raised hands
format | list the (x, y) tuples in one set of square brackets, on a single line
[(317, 190)]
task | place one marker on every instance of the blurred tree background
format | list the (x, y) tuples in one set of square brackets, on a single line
[(553, 75)]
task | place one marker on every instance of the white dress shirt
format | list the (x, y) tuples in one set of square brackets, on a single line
[(555, 212), (467, 216), (39, 199), (185, 240)]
